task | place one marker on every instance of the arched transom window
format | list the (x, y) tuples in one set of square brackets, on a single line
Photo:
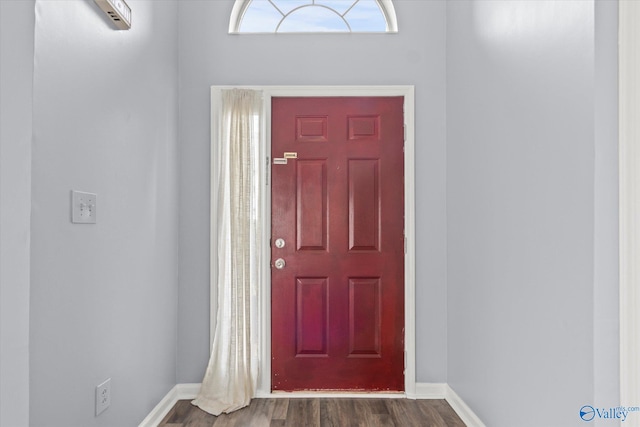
[(313, 16)]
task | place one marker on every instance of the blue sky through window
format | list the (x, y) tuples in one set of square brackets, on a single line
[(300, 16)]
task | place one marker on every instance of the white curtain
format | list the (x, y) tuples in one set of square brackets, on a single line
[(231, 377)]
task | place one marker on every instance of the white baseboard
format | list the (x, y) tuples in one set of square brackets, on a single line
[(178, 392), (423, 391), (461, 408), (188, 391), (429, 391)]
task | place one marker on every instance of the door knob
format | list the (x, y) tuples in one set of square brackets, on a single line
[(279, 263)]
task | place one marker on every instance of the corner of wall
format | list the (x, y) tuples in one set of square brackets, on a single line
[(17, 23)]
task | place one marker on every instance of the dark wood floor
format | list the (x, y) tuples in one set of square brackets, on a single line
[(285, 412)]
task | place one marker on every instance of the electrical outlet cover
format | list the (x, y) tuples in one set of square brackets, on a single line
[(103, 396), (83, 207)]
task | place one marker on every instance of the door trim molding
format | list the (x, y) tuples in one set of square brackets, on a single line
[(407, 91), (629, 152)]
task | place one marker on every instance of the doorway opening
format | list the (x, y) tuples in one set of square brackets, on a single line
[(265, 312)]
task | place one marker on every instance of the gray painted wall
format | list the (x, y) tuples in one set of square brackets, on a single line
[(209, 56), (16, 76), (103, 297), (532, 211)]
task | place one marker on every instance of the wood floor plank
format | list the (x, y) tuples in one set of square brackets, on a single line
[(338, 412), (375, 406), (303, 412), (196, 417), (371, 412), (328, 412), (177, 413), (447, 413), (367, 412), (399, 414), (380, 420), (263, 410), (431, 413), (280, 409), (406, 413), (228, 420)]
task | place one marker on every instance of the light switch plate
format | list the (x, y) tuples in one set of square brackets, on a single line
[(83, 207)]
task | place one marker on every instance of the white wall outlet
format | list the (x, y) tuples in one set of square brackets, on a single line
[(103, 396), (83, 207)]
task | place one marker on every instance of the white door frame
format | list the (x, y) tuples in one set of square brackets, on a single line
[(264, 380), (629, 152)]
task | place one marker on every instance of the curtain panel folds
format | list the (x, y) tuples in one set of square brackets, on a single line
[(231, 377)]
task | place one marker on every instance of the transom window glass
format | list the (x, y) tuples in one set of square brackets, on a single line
[(313, 16)]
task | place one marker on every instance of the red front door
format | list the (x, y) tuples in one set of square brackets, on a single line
[(337, 276)]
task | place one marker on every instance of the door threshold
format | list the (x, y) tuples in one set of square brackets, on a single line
[(334, 394)]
